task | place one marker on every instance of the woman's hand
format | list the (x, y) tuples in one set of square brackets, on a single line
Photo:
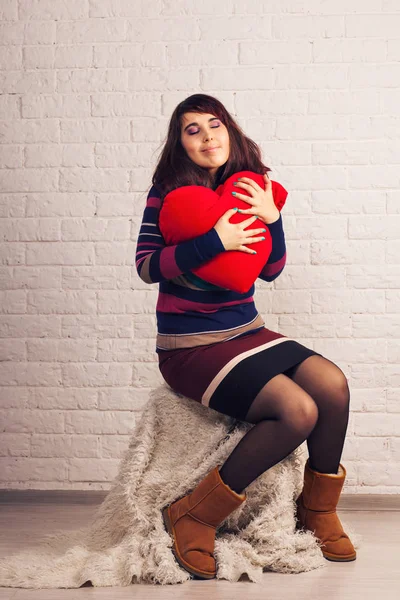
[(262, 201)]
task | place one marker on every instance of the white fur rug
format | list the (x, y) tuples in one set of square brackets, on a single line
[(174, 445)]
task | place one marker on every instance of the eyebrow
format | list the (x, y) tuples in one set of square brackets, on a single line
[(212, 119)]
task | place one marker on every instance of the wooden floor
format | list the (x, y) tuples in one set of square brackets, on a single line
[(375, 574)]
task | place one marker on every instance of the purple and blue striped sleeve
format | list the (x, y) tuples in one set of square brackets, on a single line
[(277, 259), (156, 262)]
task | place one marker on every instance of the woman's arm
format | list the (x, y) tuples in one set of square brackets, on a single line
[(156, 262), (277, 259)]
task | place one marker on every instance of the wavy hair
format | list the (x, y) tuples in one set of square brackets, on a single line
[(175, 169)]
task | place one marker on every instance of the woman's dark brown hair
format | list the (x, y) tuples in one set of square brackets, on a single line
[(175, 168)]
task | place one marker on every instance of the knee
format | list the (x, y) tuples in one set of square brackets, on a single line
[(303, 415), (339, 391)]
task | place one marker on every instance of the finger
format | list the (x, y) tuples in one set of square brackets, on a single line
[(250, 220), (249, 183), (248, 199)]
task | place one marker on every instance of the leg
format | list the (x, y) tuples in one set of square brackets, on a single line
[(328, 386), (285, 415)]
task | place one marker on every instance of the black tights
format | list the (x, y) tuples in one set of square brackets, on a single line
[(310, 402)]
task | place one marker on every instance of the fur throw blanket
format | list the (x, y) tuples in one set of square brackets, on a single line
[(174, 445)]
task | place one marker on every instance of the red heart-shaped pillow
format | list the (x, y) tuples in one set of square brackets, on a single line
[(191, 210)]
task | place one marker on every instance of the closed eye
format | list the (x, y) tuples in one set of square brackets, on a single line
[(194, 132)]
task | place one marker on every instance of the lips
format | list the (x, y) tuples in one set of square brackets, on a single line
[(213, 148)]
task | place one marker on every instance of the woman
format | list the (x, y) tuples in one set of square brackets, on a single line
[(213, 346)]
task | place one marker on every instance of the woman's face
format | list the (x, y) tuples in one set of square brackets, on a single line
[(201, 131)]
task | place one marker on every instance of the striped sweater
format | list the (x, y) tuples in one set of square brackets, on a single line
[(190, 311)]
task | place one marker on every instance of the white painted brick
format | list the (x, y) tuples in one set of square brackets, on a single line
[(104, 469), (126, 105), (14, 397), (367, 449), (160, 79), (31, 421), (60, 204), (368, 375), (50, 398), (123, 155), (62, 302), (14, 255), (392, 301), (378, 473), (13, 350), (119, 398), (393, 400), (12, 205), (368, 400), (349, 50), (78, 155), (95, 130), (373, 276), (97, 277), (91, 30), (55, 105), (32, 278), (348, 201), (92, 373), (56, 10), (40, 32), (366, 351), (124, 8), (64, 446), (13, 444), (393, 252), (129, 55), (71, 57), (88, 80), (113, 446), (99, 422), (370, 227), (163, 29), (377, 326), (10, 58), (43, 155), (346, 252), (15, 373), (9, 10), (11, 157), (100, 327), (24, 180), (30, 230), (11, 33), (33, 469), (393, 347), (377, 424), (11, 82), (74, 229), (88, 180), (394, 444), (39, 57), (30, 131), (13, 301), (66, 253)]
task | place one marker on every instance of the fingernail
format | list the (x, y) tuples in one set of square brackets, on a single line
[(264, 230), (236, 208), (263, 238), (254, 252), (233, 193)]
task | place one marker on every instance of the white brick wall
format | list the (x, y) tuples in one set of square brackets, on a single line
[(88, 88)]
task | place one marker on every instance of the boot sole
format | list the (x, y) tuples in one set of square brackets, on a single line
[(331, 557), (170, 529)]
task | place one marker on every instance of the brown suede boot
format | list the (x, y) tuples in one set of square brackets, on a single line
[(192, 522), (316, 511)]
